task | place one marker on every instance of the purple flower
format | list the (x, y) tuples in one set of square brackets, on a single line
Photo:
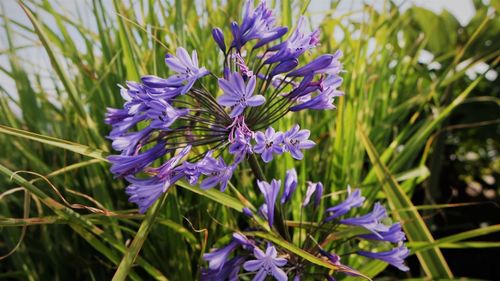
[(191, 172), (371, 221), (135, 96), (229, 271), (121, 120), (315, 188), (216, 259), (166, 169), (128, 143), (353, 200), (163, 115), (217, 171), (328, 63), (154, 82), (241, 145), (268, 144), (237, 95), (244, 69), (219, 38), (332, 258), (394, 257), (123, 165), (324, 100), (186, 67), (290, 185), (284, 66), (270, 192), (144, 192), (116, 116), (295, 140), (266, 264), (295, 45), (247, 212), (394, 234), (305, 87), (256, 24)]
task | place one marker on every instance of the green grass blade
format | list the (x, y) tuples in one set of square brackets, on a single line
[(71, 146), (457, 237), (66, 81)]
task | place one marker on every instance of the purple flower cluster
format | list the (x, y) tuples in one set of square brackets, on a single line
[(173, 128), (282, 263)]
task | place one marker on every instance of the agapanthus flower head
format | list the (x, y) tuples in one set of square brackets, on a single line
[(224, 113)]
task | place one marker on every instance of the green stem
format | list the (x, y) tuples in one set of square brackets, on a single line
[(133, 251)]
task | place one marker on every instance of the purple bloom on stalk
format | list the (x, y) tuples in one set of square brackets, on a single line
[(144, 192), (186, 67), (191, 172), (268, 144), (123, 165), (315, 188), (237, 95), (241, 145), (256, 24), (216, 259), (121, 120), (295, 140), (295, 45), (305, 87), (290, 185), (163, 115), (270, 192), (154, 82), (328, 63), (219, 38), (394, 234), (324, 100), (229, 271), (353, 200), (371, 221), (267, 263), (284, 66), (394, 257), (129, 143), (217, 172)]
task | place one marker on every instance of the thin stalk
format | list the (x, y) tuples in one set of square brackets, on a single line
[(133, 251)]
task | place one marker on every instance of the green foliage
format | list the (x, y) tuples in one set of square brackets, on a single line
[(397, 102)]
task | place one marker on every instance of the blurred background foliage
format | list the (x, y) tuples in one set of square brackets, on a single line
[(421, 85)]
